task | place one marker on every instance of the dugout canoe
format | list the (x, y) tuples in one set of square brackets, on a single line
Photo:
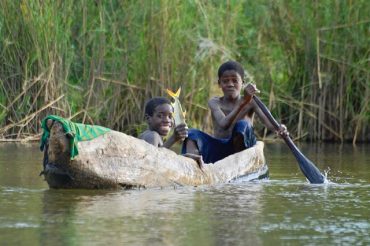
[(116, 160)]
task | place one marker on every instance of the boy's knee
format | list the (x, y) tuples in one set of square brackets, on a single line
[(243, 126), (193, 133), (244, 123)]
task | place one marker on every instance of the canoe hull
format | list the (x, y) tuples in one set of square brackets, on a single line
[(116, 160)]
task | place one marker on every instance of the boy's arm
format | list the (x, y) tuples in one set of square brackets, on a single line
[(263, 117), (249, 90), (179, 134), (282, 131), (170, 141), (225, 121)]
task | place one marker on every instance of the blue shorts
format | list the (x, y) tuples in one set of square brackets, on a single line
[(214, 149)]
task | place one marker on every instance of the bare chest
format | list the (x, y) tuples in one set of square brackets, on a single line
[(226, 108)]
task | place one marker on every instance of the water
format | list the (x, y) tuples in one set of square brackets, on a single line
[(284, 210)]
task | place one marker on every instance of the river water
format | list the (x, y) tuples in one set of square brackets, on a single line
[(283, 210)]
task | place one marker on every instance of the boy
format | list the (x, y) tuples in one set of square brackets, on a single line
[(232, 117), (158, 115)]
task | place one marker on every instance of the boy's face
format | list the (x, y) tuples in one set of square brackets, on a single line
[(231, 83), (162, 119)]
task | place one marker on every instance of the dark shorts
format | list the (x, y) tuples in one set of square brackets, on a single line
[(214, 149)]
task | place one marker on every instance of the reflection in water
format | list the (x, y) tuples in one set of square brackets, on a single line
[(171, 217), (326, 213), (282, 210), (18, 165), (57, 225)]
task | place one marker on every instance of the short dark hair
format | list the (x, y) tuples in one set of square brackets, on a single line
[(153, 103), (231, 65)]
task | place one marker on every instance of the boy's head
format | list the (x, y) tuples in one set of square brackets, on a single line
[(158, 114), (230, 79), (153, 103), (231, 65)]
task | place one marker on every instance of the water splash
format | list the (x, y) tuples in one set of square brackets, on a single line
[(326, 174)]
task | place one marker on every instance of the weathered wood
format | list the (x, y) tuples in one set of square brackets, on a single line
[(116, 160)]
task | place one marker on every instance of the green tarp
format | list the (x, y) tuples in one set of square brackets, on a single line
[(78, 131)]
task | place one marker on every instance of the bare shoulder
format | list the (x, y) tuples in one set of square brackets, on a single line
[(214, 101), (151, 137)]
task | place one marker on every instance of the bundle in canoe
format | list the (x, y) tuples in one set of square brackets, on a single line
[(115, 160)]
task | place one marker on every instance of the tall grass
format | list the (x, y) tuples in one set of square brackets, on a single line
[(99, 61)]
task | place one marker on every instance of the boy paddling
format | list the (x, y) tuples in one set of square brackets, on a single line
[(232, 117)]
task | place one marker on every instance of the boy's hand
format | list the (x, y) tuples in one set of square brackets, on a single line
[(197, 158), (283, 131), (250, 89), (180, 132)]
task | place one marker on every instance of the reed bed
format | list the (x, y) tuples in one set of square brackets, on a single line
[(97, 62)]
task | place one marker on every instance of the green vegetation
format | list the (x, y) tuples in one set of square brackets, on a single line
[(98, 61)]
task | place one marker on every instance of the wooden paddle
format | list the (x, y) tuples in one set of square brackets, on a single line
[(311, 172)]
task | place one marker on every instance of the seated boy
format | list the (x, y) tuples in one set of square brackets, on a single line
[(159, 116), (232, 117)]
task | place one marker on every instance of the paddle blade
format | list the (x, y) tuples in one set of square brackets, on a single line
[(311, 172), (309, 169)]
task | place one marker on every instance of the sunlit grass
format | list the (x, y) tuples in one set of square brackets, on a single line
[(106, 58)]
